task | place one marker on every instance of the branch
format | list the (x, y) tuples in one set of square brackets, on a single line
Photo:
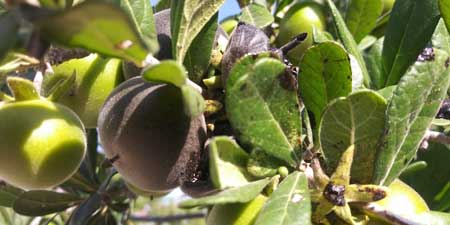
[(161, 219), (434, 136)]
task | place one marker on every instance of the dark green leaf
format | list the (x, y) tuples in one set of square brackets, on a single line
[(199, 54), (374, 63), (444, 6), (97, 26), (141, 14), (227, 163), (362, 17), (412, 109), (324, 76), (263, 108), (257, 15), (240, 194), (356, 120), (194, 103), (40, 203), (188, 17), (290, 204), (410, 28), (83, 212), (8, 33), (437, 173), (8, 194), (167, 71), (347, 40), (260, 164)]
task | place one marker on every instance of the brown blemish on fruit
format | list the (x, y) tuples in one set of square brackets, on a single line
[(447, 63)]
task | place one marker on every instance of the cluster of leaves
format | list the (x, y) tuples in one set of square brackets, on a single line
[(362, 103)]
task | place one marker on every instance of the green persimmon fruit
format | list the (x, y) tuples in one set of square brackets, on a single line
[(402, 200), (42, 143), (96, 78), (388, 5), (300, 18), (145, 193), (154, 145), (236, 214), (229, 25)]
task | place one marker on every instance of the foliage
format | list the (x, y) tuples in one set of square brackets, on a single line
[(319, 140)]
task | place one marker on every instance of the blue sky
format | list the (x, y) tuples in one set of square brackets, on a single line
[(230, 7)]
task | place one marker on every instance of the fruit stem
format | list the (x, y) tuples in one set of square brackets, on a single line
[(293, 43)]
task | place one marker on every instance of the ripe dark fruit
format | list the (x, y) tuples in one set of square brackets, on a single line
[(245, 39), (155, 146), (162, 23)]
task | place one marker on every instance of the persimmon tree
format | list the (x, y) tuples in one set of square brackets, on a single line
[(288, 113)]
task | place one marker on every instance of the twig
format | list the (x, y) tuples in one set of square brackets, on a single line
[(161, 219)]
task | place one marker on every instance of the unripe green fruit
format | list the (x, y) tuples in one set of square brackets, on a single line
[(144, 130), (236, 214), (229, 25), (402, 200), (388, 4), (145, 193), (301, 18), (41, 143), (96, 78)]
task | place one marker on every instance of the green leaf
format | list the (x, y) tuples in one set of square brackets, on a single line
[(356, 120), (199, 54), (441, 37), (194, 103), (257, 15), (141, 14), (22, 88), (40, 203), (436, 157), (8, 33), (290, 204), (374, 62), (410, 28), (263, 108), (96, 26), (162, 4), (444, 7), (240, 194), (362, 17), (325, 75), (227, 163), (260, 164), (8, 194), (188, 17), (168, 71), (411, 111), (367, 42), (348, 41), (387, 92), (55, 4)]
